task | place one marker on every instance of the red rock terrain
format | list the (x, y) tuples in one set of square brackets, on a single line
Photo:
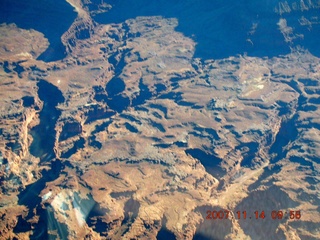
[(147, 139)]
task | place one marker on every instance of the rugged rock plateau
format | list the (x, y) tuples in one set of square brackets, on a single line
[(132, 137)]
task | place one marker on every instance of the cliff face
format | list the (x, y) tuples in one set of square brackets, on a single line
[(130, 136)]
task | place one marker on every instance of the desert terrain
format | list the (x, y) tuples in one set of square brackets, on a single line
[(132, 137)]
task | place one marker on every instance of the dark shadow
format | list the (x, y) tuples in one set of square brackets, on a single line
[(50, 17), (221, 28), (164, 233), (210, 162), (44, 134)]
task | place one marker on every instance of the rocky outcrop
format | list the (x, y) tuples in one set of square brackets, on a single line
[(145, 139)]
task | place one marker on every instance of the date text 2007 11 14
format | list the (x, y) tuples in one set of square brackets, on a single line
[(275, 215)]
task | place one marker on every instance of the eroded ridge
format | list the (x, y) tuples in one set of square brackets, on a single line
[(143, 138)]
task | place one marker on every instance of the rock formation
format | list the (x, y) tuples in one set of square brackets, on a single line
[(139, 139)]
